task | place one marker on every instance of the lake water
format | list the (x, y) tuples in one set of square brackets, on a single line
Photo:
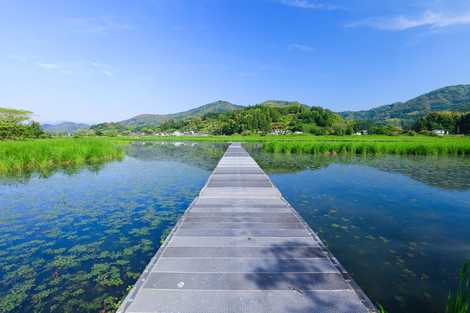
[(73, 243), (400, 225)]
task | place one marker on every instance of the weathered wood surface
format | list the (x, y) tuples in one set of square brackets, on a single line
[(240, 247)]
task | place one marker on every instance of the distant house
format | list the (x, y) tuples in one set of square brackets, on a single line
[(279, 132), (361, 132), (439, 132)]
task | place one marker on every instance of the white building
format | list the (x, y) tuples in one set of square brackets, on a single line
[(439, 132)]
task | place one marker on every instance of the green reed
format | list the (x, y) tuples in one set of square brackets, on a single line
[(460, 301), (433, 146), (45, 155)]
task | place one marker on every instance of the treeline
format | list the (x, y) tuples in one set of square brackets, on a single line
[(280, 119), (291, 117), (266, 119), (451, 122), (17, 124)]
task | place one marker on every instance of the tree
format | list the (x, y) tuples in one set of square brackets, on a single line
[(13, 116), (464, 124), (448, 121), (13, 125)]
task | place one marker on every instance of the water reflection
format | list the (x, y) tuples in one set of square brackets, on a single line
[(202, 155), (399, 224), (440, 171), (73, 243)]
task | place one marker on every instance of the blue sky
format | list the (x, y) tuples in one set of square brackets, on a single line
[(93, 61)]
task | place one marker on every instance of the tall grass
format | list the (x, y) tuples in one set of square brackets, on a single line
[(434, 146), (44, 155)]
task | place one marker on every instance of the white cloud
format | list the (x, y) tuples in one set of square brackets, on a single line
[(300, 47), (102, 68), (49, 66), (55, 67), (309, 4), (97, 25), (428, 19)]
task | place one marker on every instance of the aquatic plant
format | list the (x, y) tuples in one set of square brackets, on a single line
[(19, 158), (432, 146), (76, 244), (381, 309), (460, 301)]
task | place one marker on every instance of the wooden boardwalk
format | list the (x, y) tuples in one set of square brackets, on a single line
[(240, 247)]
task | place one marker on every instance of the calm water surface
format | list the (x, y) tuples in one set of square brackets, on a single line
[(75, 243), (400, 225)]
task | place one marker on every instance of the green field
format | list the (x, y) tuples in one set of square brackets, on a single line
[(46, 155)]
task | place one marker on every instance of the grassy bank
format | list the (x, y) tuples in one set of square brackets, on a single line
[(45, 155), (411, 145)]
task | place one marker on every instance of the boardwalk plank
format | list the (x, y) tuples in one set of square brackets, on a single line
[(241, 247)]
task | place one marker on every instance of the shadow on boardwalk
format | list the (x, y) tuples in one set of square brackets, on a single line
[(314, 289)]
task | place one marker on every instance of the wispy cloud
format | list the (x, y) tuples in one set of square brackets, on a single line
[(54, 67), (427, 19), (300, 47), (97, 25), (49, 66), (309, 4), (102, 68), (34, 62), (64, 67)]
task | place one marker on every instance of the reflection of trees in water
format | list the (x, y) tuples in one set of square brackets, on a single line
[(69, 169), (444, 172), (451, 173), (200, 154)]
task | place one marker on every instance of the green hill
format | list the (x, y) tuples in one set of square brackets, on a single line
[(452, 98), (157, 119), (64, 127)]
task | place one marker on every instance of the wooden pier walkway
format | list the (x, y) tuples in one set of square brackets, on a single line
[(240, 247)]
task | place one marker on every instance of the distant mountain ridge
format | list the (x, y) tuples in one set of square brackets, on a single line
[(64, 127), (156, 119), (452, 98)]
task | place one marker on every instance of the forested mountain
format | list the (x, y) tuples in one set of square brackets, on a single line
[(278, 116), (156, 119), (64, 127), (452, 98)]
